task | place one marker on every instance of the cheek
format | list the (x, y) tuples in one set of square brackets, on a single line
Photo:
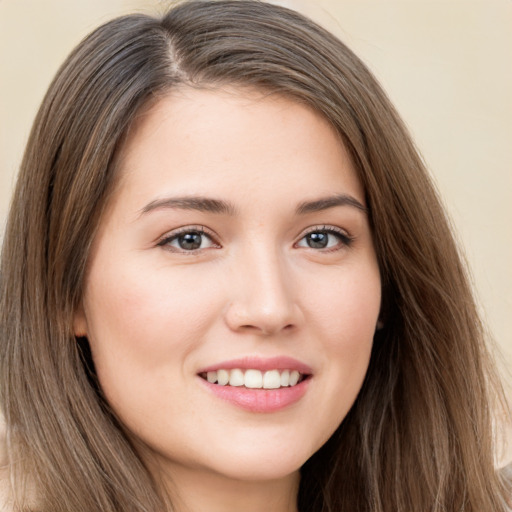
[(140, 320), (346, 315), (347, 308)]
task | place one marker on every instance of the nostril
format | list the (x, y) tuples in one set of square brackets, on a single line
[(253, 314)]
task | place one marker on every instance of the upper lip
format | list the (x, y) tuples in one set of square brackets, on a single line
[(260, 363)]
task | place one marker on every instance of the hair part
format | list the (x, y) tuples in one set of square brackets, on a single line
[(419, 436)]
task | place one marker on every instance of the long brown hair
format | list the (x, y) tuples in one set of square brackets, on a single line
[(419, 436)]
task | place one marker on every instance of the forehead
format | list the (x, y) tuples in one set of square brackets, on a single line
[(214, 139)]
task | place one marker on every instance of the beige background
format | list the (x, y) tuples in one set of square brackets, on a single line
[(447, 65)]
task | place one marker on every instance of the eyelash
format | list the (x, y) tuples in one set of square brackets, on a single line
[(175, 235), (345, 240)]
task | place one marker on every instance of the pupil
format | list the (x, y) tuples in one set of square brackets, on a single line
[(318, 240), (190, 241)]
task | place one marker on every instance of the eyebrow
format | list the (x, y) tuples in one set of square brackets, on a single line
[(325, 203), (202, 204), (207, 204)]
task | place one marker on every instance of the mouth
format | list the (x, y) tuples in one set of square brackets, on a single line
[(254, 378), (258, 384)]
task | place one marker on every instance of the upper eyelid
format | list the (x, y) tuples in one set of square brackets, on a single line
[(207, 232), (186, 229), (325, 227)]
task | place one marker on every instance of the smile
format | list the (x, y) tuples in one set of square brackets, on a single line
[(258, 384), (254, 379)]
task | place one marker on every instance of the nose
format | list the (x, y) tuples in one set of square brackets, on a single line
[(261, 296)]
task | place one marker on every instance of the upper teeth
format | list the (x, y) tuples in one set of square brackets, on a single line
[(255, 379)]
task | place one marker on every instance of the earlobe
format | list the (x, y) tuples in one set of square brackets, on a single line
[(80, 322)]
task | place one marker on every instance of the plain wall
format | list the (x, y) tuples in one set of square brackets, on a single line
[(445, 64)]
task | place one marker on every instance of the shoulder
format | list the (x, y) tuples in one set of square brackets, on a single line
[(506, 474), (4, 470), (6, 496), (4, 491)]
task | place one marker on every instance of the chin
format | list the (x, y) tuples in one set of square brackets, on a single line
[(260, 472), (261, 465)]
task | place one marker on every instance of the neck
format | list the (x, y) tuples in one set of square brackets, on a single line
[(193, 490)]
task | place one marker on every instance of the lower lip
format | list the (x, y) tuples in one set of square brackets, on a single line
[(259, 400)]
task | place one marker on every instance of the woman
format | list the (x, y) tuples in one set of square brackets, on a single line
[(227, 281)]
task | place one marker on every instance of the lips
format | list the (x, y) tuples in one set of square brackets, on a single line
[(262, 364), (258, 385)]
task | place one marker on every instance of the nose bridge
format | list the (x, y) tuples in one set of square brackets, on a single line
[(263, 299)]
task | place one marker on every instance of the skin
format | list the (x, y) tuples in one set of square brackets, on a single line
[(155, 313)]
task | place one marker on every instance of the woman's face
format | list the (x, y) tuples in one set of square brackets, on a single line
[(236, 246)]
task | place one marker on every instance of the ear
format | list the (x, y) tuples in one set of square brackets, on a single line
[(380, 324), (80, 322)]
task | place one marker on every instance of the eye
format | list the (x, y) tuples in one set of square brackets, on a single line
[(188, 240), (325, 238)]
